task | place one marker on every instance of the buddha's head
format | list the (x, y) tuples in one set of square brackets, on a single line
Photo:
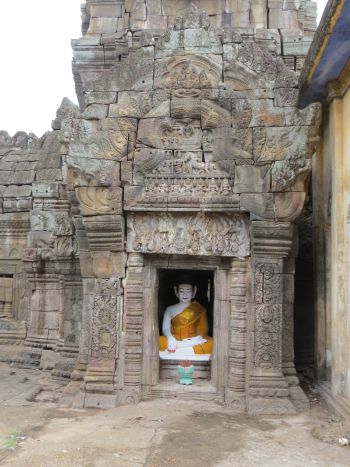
[(185, 292)]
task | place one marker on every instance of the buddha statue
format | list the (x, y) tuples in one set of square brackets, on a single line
[(185, 325)]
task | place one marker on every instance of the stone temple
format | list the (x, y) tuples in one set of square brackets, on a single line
[(188, 154)]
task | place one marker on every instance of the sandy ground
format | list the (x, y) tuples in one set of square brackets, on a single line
[(160, 433)]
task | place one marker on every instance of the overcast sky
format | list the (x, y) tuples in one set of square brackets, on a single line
[(36, 61)]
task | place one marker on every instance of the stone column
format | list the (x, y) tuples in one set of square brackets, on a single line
[(267, 387)]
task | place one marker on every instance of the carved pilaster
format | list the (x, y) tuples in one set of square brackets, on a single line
[(101, 243), (104, 312), (133, 329), (268, 389), (239, 287)]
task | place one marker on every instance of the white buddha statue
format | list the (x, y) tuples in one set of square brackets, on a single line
[(185, 325)]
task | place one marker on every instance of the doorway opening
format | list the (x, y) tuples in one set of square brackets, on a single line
[(204, 281)]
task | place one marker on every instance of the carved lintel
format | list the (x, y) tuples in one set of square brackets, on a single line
[(193, 234)]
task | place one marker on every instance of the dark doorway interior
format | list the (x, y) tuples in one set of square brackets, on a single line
[(304, 312)]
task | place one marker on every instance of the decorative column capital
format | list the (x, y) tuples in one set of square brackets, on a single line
[(272, 239)]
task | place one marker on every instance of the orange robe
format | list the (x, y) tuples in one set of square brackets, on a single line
[(191, 322)]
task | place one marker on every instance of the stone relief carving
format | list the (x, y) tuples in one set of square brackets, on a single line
[(268, 316), (167, 133), (187, 72), (197, 234), (267, 283), (284, 173), (105, 317)]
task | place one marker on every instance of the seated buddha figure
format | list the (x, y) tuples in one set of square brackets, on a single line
[(185, 325)]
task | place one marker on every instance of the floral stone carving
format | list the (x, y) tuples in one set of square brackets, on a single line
[(192, 234)]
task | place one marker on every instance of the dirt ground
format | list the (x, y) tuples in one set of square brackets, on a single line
[(160, 433)]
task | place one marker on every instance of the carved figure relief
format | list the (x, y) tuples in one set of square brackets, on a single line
[(197, 234), (187, 72)]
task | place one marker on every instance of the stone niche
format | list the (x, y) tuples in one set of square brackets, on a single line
[(190, 155)]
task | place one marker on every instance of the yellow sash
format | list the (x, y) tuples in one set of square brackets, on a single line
[(184, 325)]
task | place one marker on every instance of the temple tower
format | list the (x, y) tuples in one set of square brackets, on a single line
[(188, 155)]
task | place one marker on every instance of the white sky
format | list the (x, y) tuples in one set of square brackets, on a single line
[(36, 58)]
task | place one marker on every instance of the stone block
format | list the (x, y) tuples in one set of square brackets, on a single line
[(229, 144), (292, 174), (141, 105), (86, 264), (230, 52), (84, 171), (241, 19), (294, 43), (17, 204), (6, 177), (288, 206), (309, 116), (102, 25), (283, 19), (48, 175), (259, 205), (211, 7), (286, 97), (258, 15), (252, 179), (135, 73), (49, 161), (99, 200), (178, 8), (109, 145), (56, 222), (275, 143), (17, 191), (100, 97), (156, 22), (105, 10), (154, 7), (120, 124), (221, 21), (107, 264), (23, 177), (264, 113), (95, 111), (45, 190)]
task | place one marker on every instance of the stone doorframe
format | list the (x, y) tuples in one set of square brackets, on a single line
[(230, 317), (150, 363)]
